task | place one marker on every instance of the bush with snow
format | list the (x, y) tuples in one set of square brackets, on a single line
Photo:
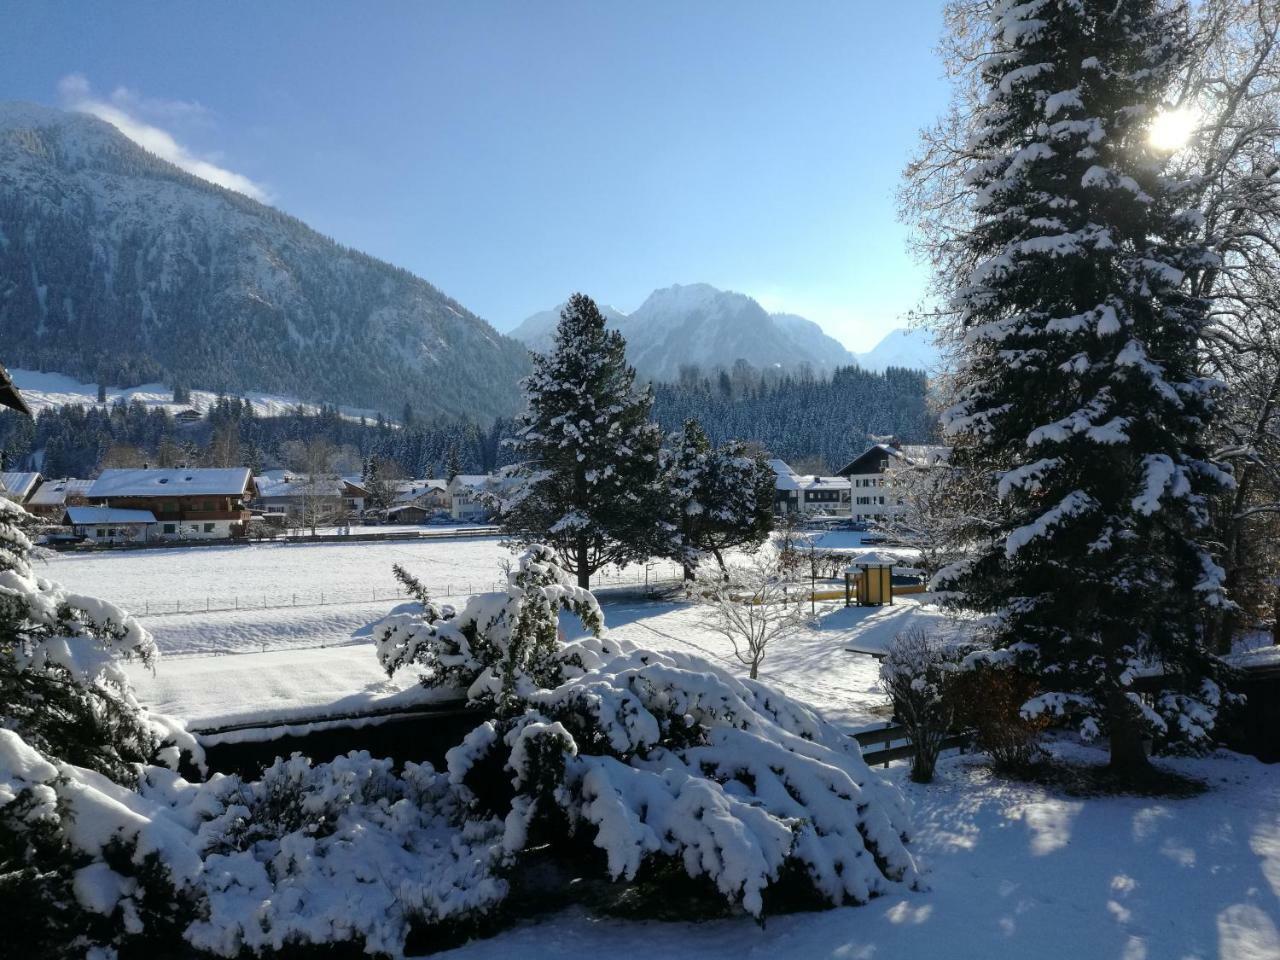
[(655, 759), (917, 672)]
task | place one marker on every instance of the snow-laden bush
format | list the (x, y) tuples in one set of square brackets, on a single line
[(656, 759), (339, 852), (917, 672)]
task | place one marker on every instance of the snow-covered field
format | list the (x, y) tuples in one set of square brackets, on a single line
[(262, 574), (288, 660), (1016, 871)]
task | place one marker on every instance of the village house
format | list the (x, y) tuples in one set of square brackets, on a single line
[(52, 497), (793, 493), (466, 496), (109, 525), (408, 513), (429, 494), (281, 493), (188, 503), (871, 479)]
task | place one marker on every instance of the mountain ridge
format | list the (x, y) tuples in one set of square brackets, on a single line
[(686, 325), (116, 265)]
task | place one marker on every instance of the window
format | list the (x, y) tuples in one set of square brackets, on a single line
[(170, 528), (208, 528), (101, 532)]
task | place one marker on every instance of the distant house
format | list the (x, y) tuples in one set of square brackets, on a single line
[(466, 496), (282, 493), (407, 513), (18, 486), (109, 524), (188, 503), (188, 416), (430, 494), (52, 497), (793, 493), (871, 480)]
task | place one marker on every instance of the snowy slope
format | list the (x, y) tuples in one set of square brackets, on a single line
[(538, 331), (117, 266), (913, 349), (45, 390), (699, 324)]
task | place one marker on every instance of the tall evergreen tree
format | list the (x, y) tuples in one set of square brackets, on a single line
[(1078, 393), (720, 499), (588, 479)]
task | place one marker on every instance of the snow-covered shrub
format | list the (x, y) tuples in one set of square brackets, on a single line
[(653, 759), (988, 700), (916, 672), (338, 852), (501, 646), (94, 863)]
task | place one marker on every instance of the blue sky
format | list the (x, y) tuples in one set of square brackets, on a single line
[(511, 153)]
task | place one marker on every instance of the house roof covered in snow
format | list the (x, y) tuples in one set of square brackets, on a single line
[(276, 484), (87, 516), (18, 485), (53, 493), (177, 482), (876, 457)]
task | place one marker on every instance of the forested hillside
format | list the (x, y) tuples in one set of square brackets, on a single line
[(808, 421), (117, 267), (823, 422)]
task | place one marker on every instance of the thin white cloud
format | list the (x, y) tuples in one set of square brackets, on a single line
[(122, 110)]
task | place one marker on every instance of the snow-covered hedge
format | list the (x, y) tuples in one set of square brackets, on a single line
[(654, 757)]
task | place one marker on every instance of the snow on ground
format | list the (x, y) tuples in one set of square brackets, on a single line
[(212, 692), (1018, 871), (284, 654), (148, 582), (44, 390)]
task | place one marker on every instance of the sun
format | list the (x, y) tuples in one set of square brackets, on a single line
[(1172, 129)]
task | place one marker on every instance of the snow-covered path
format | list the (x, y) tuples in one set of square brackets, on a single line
[(1015, 871)]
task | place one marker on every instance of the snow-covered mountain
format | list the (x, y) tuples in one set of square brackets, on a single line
[(117, 266), (538, 331), (697, 324), (913, 349)]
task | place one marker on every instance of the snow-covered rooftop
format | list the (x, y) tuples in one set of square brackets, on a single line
[(195, 481), (18, 485), (91, 515), (53, 493), (872, 558)]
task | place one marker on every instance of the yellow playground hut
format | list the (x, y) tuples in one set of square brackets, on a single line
[(869, 579)]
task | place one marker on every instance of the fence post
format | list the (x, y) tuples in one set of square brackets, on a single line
[(177, 606)]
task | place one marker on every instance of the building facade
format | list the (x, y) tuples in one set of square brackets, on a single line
[(187, 503)]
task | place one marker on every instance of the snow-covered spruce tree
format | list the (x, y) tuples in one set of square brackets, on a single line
[(1078, 392), (661, 762), (72, 871), (587, 482), (720, 498)]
